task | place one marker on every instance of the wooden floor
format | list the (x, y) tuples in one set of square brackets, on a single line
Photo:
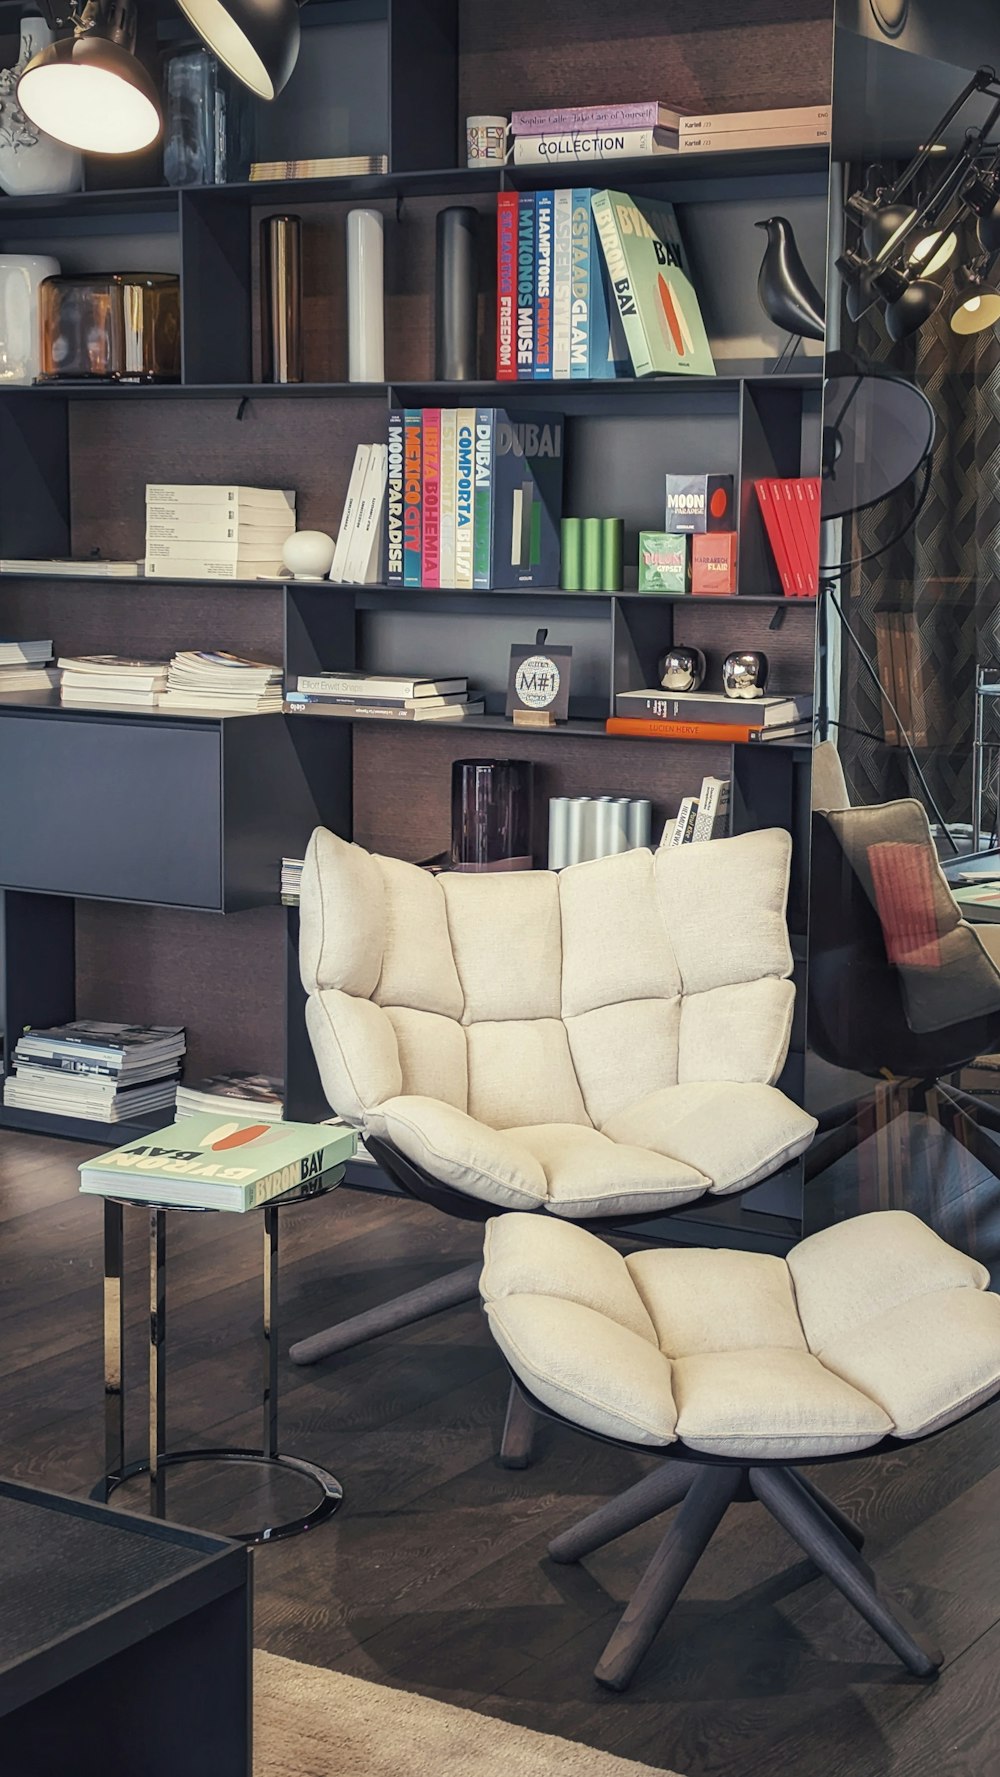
[(433, 1578)]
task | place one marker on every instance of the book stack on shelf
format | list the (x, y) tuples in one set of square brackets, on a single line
[(360, 696), (705, 816), (89, 567), (258, 1096), (791, 512), (357, 559), (330, 166), (291, 881), (196, 532), (585, 827), (101, 1073), (111, 679), (594, 284), (710, 715), (26, 666), (728, 132), (474, 498), (221, 684), (569, 133)]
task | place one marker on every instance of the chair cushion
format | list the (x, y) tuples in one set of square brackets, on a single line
[(890, 1331), (588, 1175), (734, 1133), (460, 1151)]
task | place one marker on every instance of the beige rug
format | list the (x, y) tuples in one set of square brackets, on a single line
[(312, 1723)]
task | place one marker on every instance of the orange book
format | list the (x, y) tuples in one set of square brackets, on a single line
[(641, 728)]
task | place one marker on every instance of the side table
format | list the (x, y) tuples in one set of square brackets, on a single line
[(159, 1459)]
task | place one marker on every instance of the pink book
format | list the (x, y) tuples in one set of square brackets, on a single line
[(506, 286), (641, 114), (430, 561)]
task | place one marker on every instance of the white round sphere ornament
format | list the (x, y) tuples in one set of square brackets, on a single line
[(308, 554)]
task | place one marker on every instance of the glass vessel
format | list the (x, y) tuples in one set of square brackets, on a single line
[(491, 804), (111, 327), (206, 136)]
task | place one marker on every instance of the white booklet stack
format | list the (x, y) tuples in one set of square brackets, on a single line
[(196, 532), (358, 557)]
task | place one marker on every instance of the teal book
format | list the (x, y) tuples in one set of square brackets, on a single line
[(651, 287), (482, 499), (212, 1161)]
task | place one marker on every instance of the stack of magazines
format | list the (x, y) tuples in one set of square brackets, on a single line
[(259, 1097), (26, 666), (111, 679), (103, 1073), (291, 881), (223, 684)]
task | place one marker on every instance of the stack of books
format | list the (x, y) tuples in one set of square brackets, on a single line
[(710, 715), (291, 881), (337, 166), (26, 666), (705, 816), (474, 497), (360, 695), (257, 1096), (221, 684), (102, 1073), (720, 132), (357, 559), (594, 284), (791, 511), (195, 532), (89, 568), (594, 132), (200, 1163), (111, 679)]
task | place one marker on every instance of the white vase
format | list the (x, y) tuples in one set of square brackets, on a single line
[(365, 322), (30, 161), (20, 276), (308, 555)]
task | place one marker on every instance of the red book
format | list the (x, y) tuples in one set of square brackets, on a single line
[(430, 558), (784, 499), (506, 286), (643, 728), (807, 548), (808, 490), (775, 537)]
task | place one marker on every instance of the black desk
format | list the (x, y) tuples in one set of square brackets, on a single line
[(125, 1644)]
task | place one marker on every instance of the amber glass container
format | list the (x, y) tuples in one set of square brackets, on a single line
[(111, 327)]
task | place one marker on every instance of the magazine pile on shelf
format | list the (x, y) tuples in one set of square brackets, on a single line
[(102, 1073)]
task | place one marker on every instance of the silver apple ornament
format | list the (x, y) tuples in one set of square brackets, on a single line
[(744, 675), (682, 669)]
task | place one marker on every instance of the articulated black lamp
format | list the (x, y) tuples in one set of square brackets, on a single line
[(977, 301), (90, 90), (909, 301)]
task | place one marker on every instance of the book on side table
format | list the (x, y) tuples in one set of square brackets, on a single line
[(217, 1162)]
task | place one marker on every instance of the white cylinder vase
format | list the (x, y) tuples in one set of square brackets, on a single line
[(30, 161), (20, 276), (365, 306)]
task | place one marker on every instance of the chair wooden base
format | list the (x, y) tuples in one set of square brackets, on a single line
[(705, 1492)]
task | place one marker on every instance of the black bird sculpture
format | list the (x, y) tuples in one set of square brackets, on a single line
[(785, 290)]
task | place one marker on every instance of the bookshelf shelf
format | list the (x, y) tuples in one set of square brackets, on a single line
[(76, 458)]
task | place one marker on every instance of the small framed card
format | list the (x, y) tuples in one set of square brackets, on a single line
[(538, 682)]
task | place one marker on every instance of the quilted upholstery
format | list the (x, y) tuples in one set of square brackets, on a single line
[(873, 1327), (594, 1042)]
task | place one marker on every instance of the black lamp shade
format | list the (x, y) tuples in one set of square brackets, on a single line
[(988, 229), (857, 275), (914, 305), (976, 304), (258, 40), (883, 225), (92, 94)]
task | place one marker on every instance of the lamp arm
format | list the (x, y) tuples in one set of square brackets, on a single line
[(981, 82), (948, 185)]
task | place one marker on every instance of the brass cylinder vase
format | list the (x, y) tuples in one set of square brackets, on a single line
[(281, 258)]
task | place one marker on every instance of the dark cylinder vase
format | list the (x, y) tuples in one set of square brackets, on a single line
[(282, 330), (491, 814), (455, 304)]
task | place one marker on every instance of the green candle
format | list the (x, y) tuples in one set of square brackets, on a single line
[(572, 545), (591, 555), (612, 553)]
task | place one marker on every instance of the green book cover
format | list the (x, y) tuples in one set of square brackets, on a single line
[(212, 1161), (651, 285)]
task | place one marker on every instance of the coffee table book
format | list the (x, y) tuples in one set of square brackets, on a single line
[(216, 1162)]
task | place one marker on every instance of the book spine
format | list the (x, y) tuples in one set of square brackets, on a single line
[(713, 809), (775, 537), (665, 707), (87, 1068), (525, 287), (644, 728), (237, 531), (394, 513), (607, 352), (352, 686), (790, 116), (581, 249), (749, 141), (562, 274), (642, 115), (202, 570), (784, 500), (482, 500), (464, 496), (412, 496), (507, 240), (449, 491), (544, 221), (574, 145), (622, 289), (683, 823), (430, 549)]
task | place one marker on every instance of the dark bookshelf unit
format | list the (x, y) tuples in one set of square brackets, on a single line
[(140, 852)]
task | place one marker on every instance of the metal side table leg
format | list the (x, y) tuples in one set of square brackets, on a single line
[(114, 1346), (157, 1361), (270, 1440)]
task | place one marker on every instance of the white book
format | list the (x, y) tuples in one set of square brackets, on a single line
[(449, 485), (221, 512), (739, 141), (240, 530), (74, 570), (464, 496), (220, 570), (24, 653), (109, 694), (233, 551), (557, 151), (349, 515), (360, 545), (27, 678), (562, 276), (683, 821), (375, 522), (713, 809), (366, 687), (786, 117), (173, 493)]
